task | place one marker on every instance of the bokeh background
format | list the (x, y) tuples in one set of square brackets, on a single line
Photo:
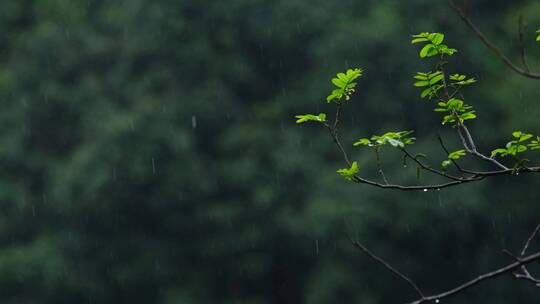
[(148, 152)]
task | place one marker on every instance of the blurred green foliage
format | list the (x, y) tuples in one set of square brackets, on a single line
[(148, 153)]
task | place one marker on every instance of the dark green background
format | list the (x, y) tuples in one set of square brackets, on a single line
[(148, 152)]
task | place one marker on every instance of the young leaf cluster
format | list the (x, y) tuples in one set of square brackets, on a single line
[(395, 139), (345, 85), (459, 80), (430, 81), (311, 117), (348, 173), (518, 145), (535, 143), (453, 156), (433, 45), (456, 110), (445, 90)]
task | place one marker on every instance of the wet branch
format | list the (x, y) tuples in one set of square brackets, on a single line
[(453, 180), (490, 275), (520, 263), (523, 273), (463, 132), (386, 265), (522, 71)]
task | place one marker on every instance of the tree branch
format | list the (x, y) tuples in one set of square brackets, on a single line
[(524, 273), (519, 263), (386, 265), (490, 275), (458, 167), (522, 71), (529, 240), (476, 175)]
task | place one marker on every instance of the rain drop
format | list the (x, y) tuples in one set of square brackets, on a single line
[(425, 190), (194, 121)]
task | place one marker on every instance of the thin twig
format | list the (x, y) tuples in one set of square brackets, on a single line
[(428, 168), (467, 134), (381, 261), (472, 149), (379, 166), (361, 180), (491, 45), (334, 133), (525, 274), (463, 141), (458, 167), (529, 240), (498, 272)]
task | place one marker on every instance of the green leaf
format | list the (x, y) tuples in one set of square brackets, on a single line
[(417, 40), (525, 137), (342, 76), (437, 38), (538, 38), (396, 143), (456, 154), (425, 92), (422, 37), (428, 50), (348, 173), (467, 116), (448, 118), (454, 104), (516, 134), (422, 83), (339, 83), (457, 77), (310, 117), (446, 163), (444, 49), (436, 79), (345, 83), (535, 144), (362, 141), (461, 80), (521, 136), (434, 45), (501, 151), (395, 139)]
